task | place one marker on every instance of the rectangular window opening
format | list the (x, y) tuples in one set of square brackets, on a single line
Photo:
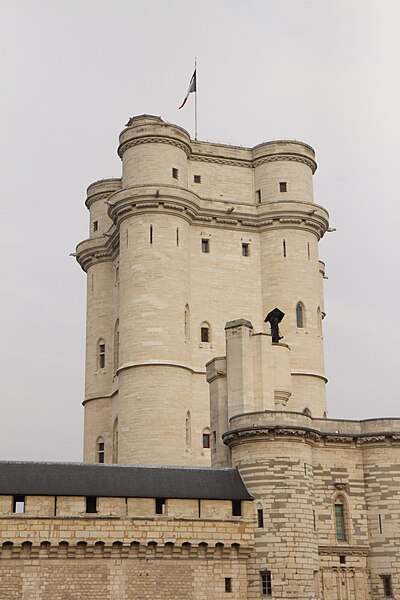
[(236, 508), (101, 452), (266, 583), (214, 437), (18, 504), (380, 523), (314, 520), (283, 186), (339, 522), (228, 584), (197, 178), (102, 356), (245, 249), (205, 246), (160, 506), (206, 440), (151, 234), (177, 236), (284, 248), (342, 560), (175, 173), (260, 517), (205, 334), (199, 508), (95, 225), (91, 504), (258, 196), (387, 586)]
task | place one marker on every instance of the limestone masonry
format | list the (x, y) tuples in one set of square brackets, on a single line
[(257, 493)]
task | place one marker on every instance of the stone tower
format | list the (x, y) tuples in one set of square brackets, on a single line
[(194, 234)]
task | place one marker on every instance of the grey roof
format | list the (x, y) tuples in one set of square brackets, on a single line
[(82, 479)]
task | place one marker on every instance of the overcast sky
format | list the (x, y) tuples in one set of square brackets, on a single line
[(324, 72)]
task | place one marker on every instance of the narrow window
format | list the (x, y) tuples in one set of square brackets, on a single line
[(308, 250), (127, 238), (197, 178), (188, 429), (187, 322), (160, 506), (236, 508), (228, 584), (380, 523), (266, 583), (205, 333), (305, 468), (115, 441), (339, 522), (214, 437), (387, 586), (258, 196), (199, 508), (100, 450), (245, 249), (300, 315), (283, 186), (95, 225), (55, 506), (260, 518), (342, 560), (205, 246), (177, 236), (319, 320), (18, 504), (284, 248), (175, 173), (314, 520), (91, 504), (116, 346), (151, 234), (101, 352), (206, 440)]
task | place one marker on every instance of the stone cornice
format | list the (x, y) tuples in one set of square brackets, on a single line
[(251, 164), (343, 550), (159, 363), (153, 139)]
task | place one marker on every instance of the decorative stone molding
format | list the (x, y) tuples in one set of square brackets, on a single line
[(371, 439), (152, 140), (287, 157), (230, 162), (343, 550)]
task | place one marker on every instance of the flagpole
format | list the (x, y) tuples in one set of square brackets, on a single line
[(195, 101)]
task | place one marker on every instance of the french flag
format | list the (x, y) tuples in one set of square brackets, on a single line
[(191, 88)]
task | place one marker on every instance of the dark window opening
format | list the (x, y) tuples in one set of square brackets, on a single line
[(342, 560), (91, 504), (151, 234), (206, 440), (308, 250), (205, 246), (197, 178), (228, 584), (387, 586), (260, 517), (339, 522), (314, 521), (236, 508), (95, 225), (258, 196), (215, 437), (175, 173), (299, 315), (284, 248), (177, 236), (160, 506), (205, 334), (18, 504), (380, 523), (100, 452), (199, 508), (245, 249), (266, 583), (283, 186), (102, 356)]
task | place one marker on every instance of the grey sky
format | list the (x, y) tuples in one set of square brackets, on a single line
[(324, 72)]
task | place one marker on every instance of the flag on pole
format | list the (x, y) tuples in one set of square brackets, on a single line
[(191, 88)]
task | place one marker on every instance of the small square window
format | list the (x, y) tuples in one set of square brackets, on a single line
[(283, 186), (236, 508), (197, 178), (205, 246), (245, 249), (91, 504), (175, 173), (342, 560), (19, 504), (228, 584), (95, 225), (206, 440), (160, 506)]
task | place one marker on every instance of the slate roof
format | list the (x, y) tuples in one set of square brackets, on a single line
[(129, 481)]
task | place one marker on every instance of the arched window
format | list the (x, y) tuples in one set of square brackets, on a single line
[(116, 346), (300, 315), (307, 412), (187, 322), (206, 438), (188, 430), (205, 332), (100, 450), (340, 509), (319, 320), (101, 354), (115, 441)]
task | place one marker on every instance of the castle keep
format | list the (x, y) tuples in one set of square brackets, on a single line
[(211, 469)]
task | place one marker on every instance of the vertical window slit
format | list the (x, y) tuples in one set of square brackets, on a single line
[(151, 234), (284, 248)]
